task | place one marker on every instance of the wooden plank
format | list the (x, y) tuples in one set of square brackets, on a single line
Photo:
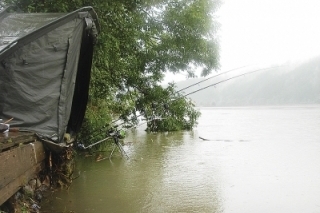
[(16, 161), (15, 138), (19, 162), (11, 188)]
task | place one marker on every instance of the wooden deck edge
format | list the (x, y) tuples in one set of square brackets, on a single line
[(18, 166), (15, 139), (10, 189)]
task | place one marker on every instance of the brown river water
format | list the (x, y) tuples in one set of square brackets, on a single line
[(255, 159)]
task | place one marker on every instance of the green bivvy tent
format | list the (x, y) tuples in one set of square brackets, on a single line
[(45, 63)]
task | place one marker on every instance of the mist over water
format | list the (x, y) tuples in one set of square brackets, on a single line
[(254, 159)]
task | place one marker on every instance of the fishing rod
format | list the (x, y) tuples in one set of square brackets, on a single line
[(232, 70), (211, 85), (214, 84), (114, 134), (237, 76), (82, 147), (104, 126)]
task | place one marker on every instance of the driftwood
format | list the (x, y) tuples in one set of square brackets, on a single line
[(204, 139)]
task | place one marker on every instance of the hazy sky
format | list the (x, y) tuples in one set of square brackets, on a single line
[(267, 32)]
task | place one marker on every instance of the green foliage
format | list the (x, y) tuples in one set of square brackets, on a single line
[(138, 42), (98, 115), (172, 112)]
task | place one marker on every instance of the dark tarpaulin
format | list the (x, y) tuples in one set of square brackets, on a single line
[(45, 70)]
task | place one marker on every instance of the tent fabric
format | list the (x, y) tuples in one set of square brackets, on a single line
[(17, 25), (43, 82)]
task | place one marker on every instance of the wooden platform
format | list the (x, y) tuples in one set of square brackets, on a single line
[(15, 139), (21, 159)]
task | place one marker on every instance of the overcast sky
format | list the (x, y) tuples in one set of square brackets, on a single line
[(267, 32)]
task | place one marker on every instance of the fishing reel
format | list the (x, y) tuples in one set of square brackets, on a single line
[(115, 133)]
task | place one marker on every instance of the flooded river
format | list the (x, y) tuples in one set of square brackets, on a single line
[(254, 159)]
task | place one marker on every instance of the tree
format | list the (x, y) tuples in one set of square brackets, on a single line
[(138, 43)]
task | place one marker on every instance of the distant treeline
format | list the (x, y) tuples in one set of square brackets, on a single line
[(285, 85)]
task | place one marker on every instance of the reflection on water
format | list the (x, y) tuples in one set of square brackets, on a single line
[(255, 160)]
